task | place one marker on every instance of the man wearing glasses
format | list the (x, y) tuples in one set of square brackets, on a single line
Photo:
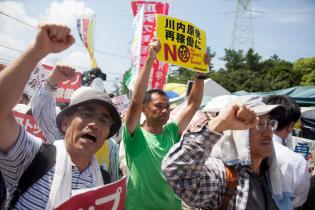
[(243, 154), (292, 164), (75, 166)]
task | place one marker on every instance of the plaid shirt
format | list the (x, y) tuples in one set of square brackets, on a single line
[(198, 179)]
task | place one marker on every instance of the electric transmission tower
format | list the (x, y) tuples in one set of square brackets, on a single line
[(242, 34)]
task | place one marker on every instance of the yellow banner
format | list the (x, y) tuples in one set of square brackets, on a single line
[(182, 43)]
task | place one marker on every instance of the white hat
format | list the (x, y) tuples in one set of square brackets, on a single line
[(84, 95), (217, 103), (256, 103)]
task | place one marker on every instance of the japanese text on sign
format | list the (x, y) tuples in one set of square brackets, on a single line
[(182, 43)]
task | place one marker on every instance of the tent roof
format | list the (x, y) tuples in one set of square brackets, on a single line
[(213, 89), (303, 95)]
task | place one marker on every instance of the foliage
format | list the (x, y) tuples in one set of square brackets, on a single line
[(250, 72), (306, 68)]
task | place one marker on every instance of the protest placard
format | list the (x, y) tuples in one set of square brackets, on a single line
[(182, 43), (121, 103), (66, 88), (304, 147), (144, 29), (29, 124), (37, 77), (110, 196), (301, 145)]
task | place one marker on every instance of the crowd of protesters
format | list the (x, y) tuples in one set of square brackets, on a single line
[(237, 159)]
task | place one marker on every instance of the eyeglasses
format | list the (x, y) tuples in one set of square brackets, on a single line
[(266, 123), (89, 114)]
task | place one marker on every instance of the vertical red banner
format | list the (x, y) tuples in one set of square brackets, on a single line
[(159, 70)]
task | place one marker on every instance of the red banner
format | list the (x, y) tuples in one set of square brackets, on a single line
[(30, 125), (159, 70), (110, 196), (66, 88)]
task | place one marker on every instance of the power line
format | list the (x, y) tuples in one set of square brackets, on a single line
[(77, 44), (10, 48), (17, 50), (18, 20)]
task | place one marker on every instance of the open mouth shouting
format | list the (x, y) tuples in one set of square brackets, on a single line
[(89, 137)]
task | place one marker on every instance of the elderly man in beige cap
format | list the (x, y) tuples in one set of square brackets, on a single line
[(86, 123)]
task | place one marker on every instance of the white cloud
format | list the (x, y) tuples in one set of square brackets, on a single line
[(12, 33), (291, 18), (79, 60), (301, 15), (16, 10), (18, 35), (66, 12), (12, 42)]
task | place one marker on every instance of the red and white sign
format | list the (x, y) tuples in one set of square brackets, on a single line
[(29, 124), (110, 197), (159, 70), (66, 88), (37, 77), (121, 103)]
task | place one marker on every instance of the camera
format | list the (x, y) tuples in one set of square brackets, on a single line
[(90, 75)]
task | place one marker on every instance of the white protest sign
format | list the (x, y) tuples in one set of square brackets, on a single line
[(121, 103)]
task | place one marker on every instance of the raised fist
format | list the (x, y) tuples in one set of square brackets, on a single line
[(53, 38)]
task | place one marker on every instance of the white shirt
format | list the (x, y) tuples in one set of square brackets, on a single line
[(16, 161), (294, 168)]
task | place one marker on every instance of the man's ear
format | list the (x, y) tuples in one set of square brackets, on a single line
[(144, 109), (289, 127)]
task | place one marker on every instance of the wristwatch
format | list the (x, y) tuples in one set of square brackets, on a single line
[(203, 77)]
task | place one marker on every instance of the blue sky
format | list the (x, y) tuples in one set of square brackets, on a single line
[(282, 27)]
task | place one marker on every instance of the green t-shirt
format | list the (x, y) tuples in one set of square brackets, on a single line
[(146, 188)]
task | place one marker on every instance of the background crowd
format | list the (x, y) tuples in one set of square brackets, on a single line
[(236, 159)]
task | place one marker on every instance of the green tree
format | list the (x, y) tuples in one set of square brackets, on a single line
[(305, 68), (234, 60), (251, 73), (252, 61), (182, 75)]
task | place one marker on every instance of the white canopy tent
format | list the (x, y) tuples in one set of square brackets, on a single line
[(213, 89)]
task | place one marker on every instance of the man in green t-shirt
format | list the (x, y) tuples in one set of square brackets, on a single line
[(146, 145)]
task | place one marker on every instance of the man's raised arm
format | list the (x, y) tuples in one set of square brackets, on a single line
[(193, 101), (135, 108), (50, 39), (44, 103)]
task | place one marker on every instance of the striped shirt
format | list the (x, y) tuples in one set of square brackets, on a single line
[(16, 161)]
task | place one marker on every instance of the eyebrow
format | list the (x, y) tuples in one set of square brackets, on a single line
[(107, 115)]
